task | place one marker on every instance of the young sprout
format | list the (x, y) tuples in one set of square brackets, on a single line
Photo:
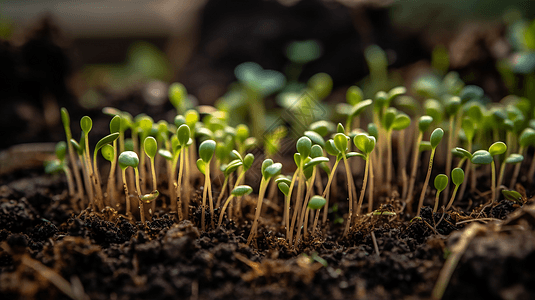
[(452, 106), (303, 146), (129, 159), (59, 164), (79, 147), (366, 144), (86, 125), (341, 144), (457, 177), (423, 125), (183, 136), (511, 159), (150, 146), (392, 120), (238, 191), (227, 170), (284, 184), (206, 152), (469, 130), (316, 203), (495, 149), (269, 170), (109, 153), (178, 97), (527, 138), (67, 127), (441, 182), (436, 137), (104, 141)]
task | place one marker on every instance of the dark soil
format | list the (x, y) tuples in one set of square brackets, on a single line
[(106, 256)]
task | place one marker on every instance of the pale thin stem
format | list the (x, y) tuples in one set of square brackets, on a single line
[(111, 178), (87, 182), (416, 153), (222, 192), (327, 190), (287, 205), (179, 186), (154, 184), (127, 194), (493, 176), (436, 202), (348, 175), (304, 208), (210, 197), (426, 182), (372, 184), (223, 210), (364, 182), (298, 200), (449, 155), (261, 192), (389, 165), (316, 217), (204, 191), (516, 172), (452, 197)]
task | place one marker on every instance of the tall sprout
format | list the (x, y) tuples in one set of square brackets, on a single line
[(65, 118), (206, 152), (436, 137), (423, 124)]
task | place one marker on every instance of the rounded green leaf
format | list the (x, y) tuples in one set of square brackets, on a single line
[(358, 108), (514, 159), (340, 142), (315, 137), (179, 120), (401, 121), (266, 163), (145, 123), (527, 138), (108, 152), (468, 128), (373, 130), (61, 150), (106, 140), (464, 152), (242, 132), (370, 145), (315, 161), (481, 157), (457, 176), (381, 99), (86, 124), (128, 159), (241, 190), (151, 146), (330, 148), (165, 154), (354, 95), (453, 103), (361, 141), (316, 151), (54, 166), (232, 166), (389, 117), (284, 188), (512, 195), (201, 165), (321, 84), (397, 91), (424, 122), (434, 109), (285, 179), (248, 161), (441, 182), (322, 127), (353, 154), (183, 134), (206, 150), (436, 137), (177, 94), (497, 148), (192, 117), (115, 124), (148, 198), (304, 145), (475, 111), (272, 170), (340, 128), (316, 202)]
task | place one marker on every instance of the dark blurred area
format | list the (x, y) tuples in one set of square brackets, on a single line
[(87, 55)]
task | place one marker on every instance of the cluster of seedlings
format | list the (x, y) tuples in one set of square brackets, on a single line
[(159, 166)]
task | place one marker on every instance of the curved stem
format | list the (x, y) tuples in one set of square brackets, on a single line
[(298, 200), (287, 206), (426, 182), (262, 191), (179, 185), (138, 190), (348, 175), (127, 194), (449, 155), (436, 202), (493, 175), (364, 182), (327, 190), (205, 189), (223, 210), (452, 197), (409, 196)]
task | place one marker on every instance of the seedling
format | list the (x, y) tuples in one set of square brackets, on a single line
[(269, 170), (441, 182), (527, 138), (486, 157), (206, 152), (104, 141), (183, 135), (59, 164), (150, 146), (115, 127), (452, 106), (65, 118), (366, 144), (457, 177), (316, 203), (513, 195), (436, 137), (239, 191), (130, 159), (511, 159), (392, 120), (423, 125)]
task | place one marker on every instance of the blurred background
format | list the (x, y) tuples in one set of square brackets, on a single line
[(86, 55)]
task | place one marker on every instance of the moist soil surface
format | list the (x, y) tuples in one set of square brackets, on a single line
[(50, 251)]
